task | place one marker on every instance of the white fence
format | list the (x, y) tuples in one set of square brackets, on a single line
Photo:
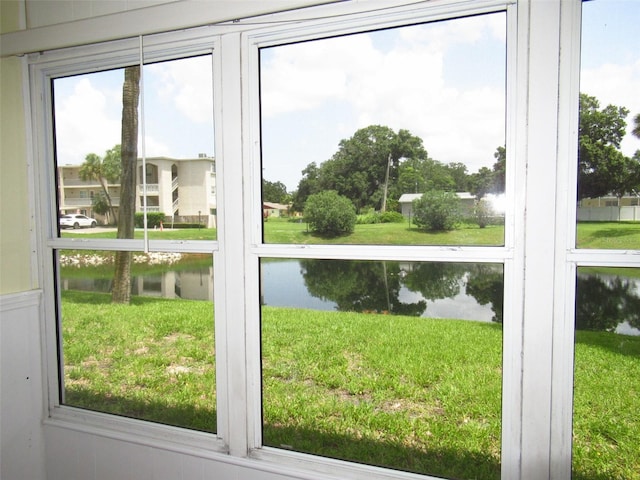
[(608, 214)]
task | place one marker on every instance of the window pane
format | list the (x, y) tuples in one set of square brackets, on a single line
[(179, 192), (384, 119), (396, 364), (606, 425), (152, 359), (609, 134)]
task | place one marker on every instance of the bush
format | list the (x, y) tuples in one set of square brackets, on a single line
[(329, 213), (153, 219), (436, 211), (391, 217), (372, 217)]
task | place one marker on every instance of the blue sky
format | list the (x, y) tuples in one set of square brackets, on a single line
[(444, 82)]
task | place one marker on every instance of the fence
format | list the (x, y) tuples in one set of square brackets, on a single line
[(608, 214)]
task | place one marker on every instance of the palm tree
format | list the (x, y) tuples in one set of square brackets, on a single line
[(105, 170), (121, 292)]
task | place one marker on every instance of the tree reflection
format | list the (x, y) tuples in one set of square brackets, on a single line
[(602, 303), (367, 286), (358, 286), (486, 284)]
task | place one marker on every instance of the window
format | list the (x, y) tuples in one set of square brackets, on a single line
[(136, 323), (372, 139), (385, 118), (607, 307), (390, 348)]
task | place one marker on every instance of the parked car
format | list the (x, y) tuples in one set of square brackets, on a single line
[(75, 220)]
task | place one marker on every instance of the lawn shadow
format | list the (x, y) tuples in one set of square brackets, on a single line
[(626, 345), (447, 463), (184, 416), (617, 232)]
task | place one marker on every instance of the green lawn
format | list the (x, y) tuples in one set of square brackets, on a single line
[(606, 235), (408, 393)]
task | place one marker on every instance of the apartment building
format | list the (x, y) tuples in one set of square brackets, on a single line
[(183, 188)]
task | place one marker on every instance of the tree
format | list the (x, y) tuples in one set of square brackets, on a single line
[(422, 174), (358, 170), (499, 170), (436, 210), (100, 204), (307, 186), (481, 182), (601, 164), (105, 170), (636, 128), (121, 292), (274, 192), (330, 214)]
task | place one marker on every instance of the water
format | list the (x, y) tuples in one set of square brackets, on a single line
[(425, 289)]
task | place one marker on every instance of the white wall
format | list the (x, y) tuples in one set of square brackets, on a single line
[(21, 388)]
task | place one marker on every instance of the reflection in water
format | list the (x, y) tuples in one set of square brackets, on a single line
[(472, 291), (608, 302), (436, 290)]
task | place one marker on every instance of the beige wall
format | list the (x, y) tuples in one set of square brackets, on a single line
[(15, 251)]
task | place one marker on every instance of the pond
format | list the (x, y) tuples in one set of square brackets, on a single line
[(468, 291)]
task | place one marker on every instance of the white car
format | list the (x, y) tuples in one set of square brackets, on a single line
[(75, 220)]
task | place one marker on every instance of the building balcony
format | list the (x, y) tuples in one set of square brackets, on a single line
[(85, 202), (152, 189)]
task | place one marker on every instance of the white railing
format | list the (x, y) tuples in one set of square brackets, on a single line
[(175, 204), (174, 184), (151, 188), (86, 202), (150, 209)]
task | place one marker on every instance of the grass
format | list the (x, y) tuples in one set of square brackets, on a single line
[(153, 359), (407, 393), (609, 235), (600, 235)]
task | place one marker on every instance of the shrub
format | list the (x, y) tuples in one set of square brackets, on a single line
[(372, 217), (483, 212), (329, 213), (436, 210), (391, 217), (153, 219)]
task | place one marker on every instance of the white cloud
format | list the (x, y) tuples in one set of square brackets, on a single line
[(400, 84), (86, 122), (187, 83), (616, 85)]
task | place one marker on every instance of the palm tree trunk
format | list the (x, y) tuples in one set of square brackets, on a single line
[(121, 292)]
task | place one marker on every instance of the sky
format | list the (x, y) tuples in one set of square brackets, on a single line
[(444, 82)]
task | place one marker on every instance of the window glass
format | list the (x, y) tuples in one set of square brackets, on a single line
[(151, 359), (396, 364), (606, 426), (175, 183), (609, 133), (388, 137)]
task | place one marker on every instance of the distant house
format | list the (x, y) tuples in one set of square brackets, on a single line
[(467, 201), (270, 209), (183, 189)]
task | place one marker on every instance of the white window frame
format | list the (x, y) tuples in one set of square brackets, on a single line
[(539, 255), (43, 70)]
